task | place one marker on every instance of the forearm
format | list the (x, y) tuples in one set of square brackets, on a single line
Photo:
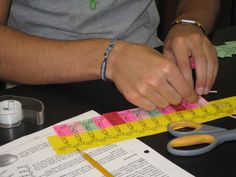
[(204, 11), (34, 60), (4, 8)]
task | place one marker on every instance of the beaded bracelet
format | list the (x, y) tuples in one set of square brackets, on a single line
[(104, 62)]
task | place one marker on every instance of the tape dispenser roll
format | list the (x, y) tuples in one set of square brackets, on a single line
[(15, 109)]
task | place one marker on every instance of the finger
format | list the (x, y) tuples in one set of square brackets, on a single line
[(201, 66), (212, 67), (167, 92), (140, 101), (182, 58), (180, 85), (169, 54), (153, 96), (215, 73)]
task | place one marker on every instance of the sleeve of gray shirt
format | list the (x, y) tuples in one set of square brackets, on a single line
[(133, 21)]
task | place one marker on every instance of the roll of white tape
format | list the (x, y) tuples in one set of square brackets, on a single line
[(10, 112)]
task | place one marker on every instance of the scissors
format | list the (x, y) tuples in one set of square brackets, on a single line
[(201, 134)]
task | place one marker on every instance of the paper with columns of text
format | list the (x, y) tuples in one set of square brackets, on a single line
[(35, 157)]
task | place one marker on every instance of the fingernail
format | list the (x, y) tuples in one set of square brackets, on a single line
[(200, 91), (193, 99), (207, 91)]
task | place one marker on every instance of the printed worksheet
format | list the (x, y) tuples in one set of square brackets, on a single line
[(32, 156)]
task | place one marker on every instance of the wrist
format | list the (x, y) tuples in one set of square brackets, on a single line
[(114, 55), (189, 22), (105, 59)]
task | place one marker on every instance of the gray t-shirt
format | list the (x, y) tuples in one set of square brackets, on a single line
[(129, 20)]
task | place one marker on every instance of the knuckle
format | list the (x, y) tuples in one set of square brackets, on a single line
[(195, 37), (177, 100), (186, 93), (142, 89), (149, 107), (163, 105), (168, 67), (177, 40), (131, 96), (155, 82), (167, 45), (201, 60)]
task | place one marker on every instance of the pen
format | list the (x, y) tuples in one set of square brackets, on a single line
[(95, 164)]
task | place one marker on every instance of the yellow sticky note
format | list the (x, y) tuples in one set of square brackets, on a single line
[(215, 109)]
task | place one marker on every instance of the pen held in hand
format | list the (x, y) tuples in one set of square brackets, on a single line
[(95, 164)]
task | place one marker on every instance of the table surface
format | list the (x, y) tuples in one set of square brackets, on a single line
[(65, 101)]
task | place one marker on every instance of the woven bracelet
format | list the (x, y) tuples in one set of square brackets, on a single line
[(106, 55)]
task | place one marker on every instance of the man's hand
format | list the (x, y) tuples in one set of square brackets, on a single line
[(146, 78), (184, 41)]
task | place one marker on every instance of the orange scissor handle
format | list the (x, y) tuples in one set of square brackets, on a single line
[(201, 134), (191, 140), (172, 128), (185, 124)]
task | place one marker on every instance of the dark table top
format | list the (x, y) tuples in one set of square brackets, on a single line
[(65, 101)]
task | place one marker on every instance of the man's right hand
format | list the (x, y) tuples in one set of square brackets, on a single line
[(146, 78)]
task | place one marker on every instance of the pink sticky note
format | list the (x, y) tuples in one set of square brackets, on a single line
[(202, 102), (128, 116), (183, 105), (189, 105), (62, 130), (101, 122), (140, 113), (76, 128), (166, 110)]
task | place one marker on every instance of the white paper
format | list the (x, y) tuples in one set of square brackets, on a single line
[(36, 158)]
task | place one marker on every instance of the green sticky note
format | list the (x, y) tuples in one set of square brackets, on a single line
[(226, 50), (154, 113), (88, 124)]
